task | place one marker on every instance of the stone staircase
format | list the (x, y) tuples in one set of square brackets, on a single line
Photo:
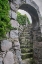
[(26, 46)]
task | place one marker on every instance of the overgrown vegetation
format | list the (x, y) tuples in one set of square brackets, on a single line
[(22, 19), (5, 25)]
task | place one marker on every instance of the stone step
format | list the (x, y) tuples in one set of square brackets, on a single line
[(27, 30), (28, 61), (26, 50), (26, 34), (25, 43), (25, 37), (22, 37), (26, 55), (24, 46)]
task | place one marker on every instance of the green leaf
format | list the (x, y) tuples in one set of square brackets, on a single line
[(5, 25)]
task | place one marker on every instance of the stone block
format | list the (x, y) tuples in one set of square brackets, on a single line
[(12, 6), (18, 53), (20, 60), (9, 59), (40, 21), (17, 45), (1, 60), (14, 23), (40, 61), (16, 39), (28, 1), (14, 34), (36, 50), (36, 61), (16, 59), (41, 30), (17, 2), (13, 14), (40, 53), (6, 45), (35, 44), (40, 44)]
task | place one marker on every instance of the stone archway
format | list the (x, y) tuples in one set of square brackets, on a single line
[(31, 7), (33, 13)]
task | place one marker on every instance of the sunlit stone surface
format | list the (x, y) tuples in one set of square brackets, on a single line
[(6, 45), (9, 59)]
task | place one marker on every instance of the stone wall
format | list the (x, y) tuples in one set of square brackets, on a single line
[(10, 48), (11, 52)]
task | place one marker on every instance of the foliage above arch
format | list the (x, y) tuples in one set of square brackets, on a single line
[(22, 19)]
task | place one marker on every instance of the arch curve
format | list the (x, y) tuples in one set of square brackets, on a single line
[(28, 5), (33, 13)]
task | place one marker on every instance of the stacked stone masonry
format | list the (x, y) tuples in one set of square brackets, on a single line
[(26, 45), (10, 52)]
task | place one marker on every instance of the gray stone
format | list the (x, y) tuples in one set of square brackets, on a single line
[(13, 14), (14, 34), (16, 59), (41, 22), (41, 30), (20, 60), (9, 59), (14, 23), (28, 1), (17, 2), (17, 45), (6, 45), (21, 27), (41, 26), (18, 53), (1, 60), (40, 44), (12, 6)]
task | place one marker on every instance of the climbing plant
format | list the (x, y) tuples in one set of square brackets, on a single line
[(22, 19), (5, 25)]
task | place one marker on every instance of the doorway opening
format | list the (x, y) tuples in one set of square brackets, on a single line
[(25, 37)]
